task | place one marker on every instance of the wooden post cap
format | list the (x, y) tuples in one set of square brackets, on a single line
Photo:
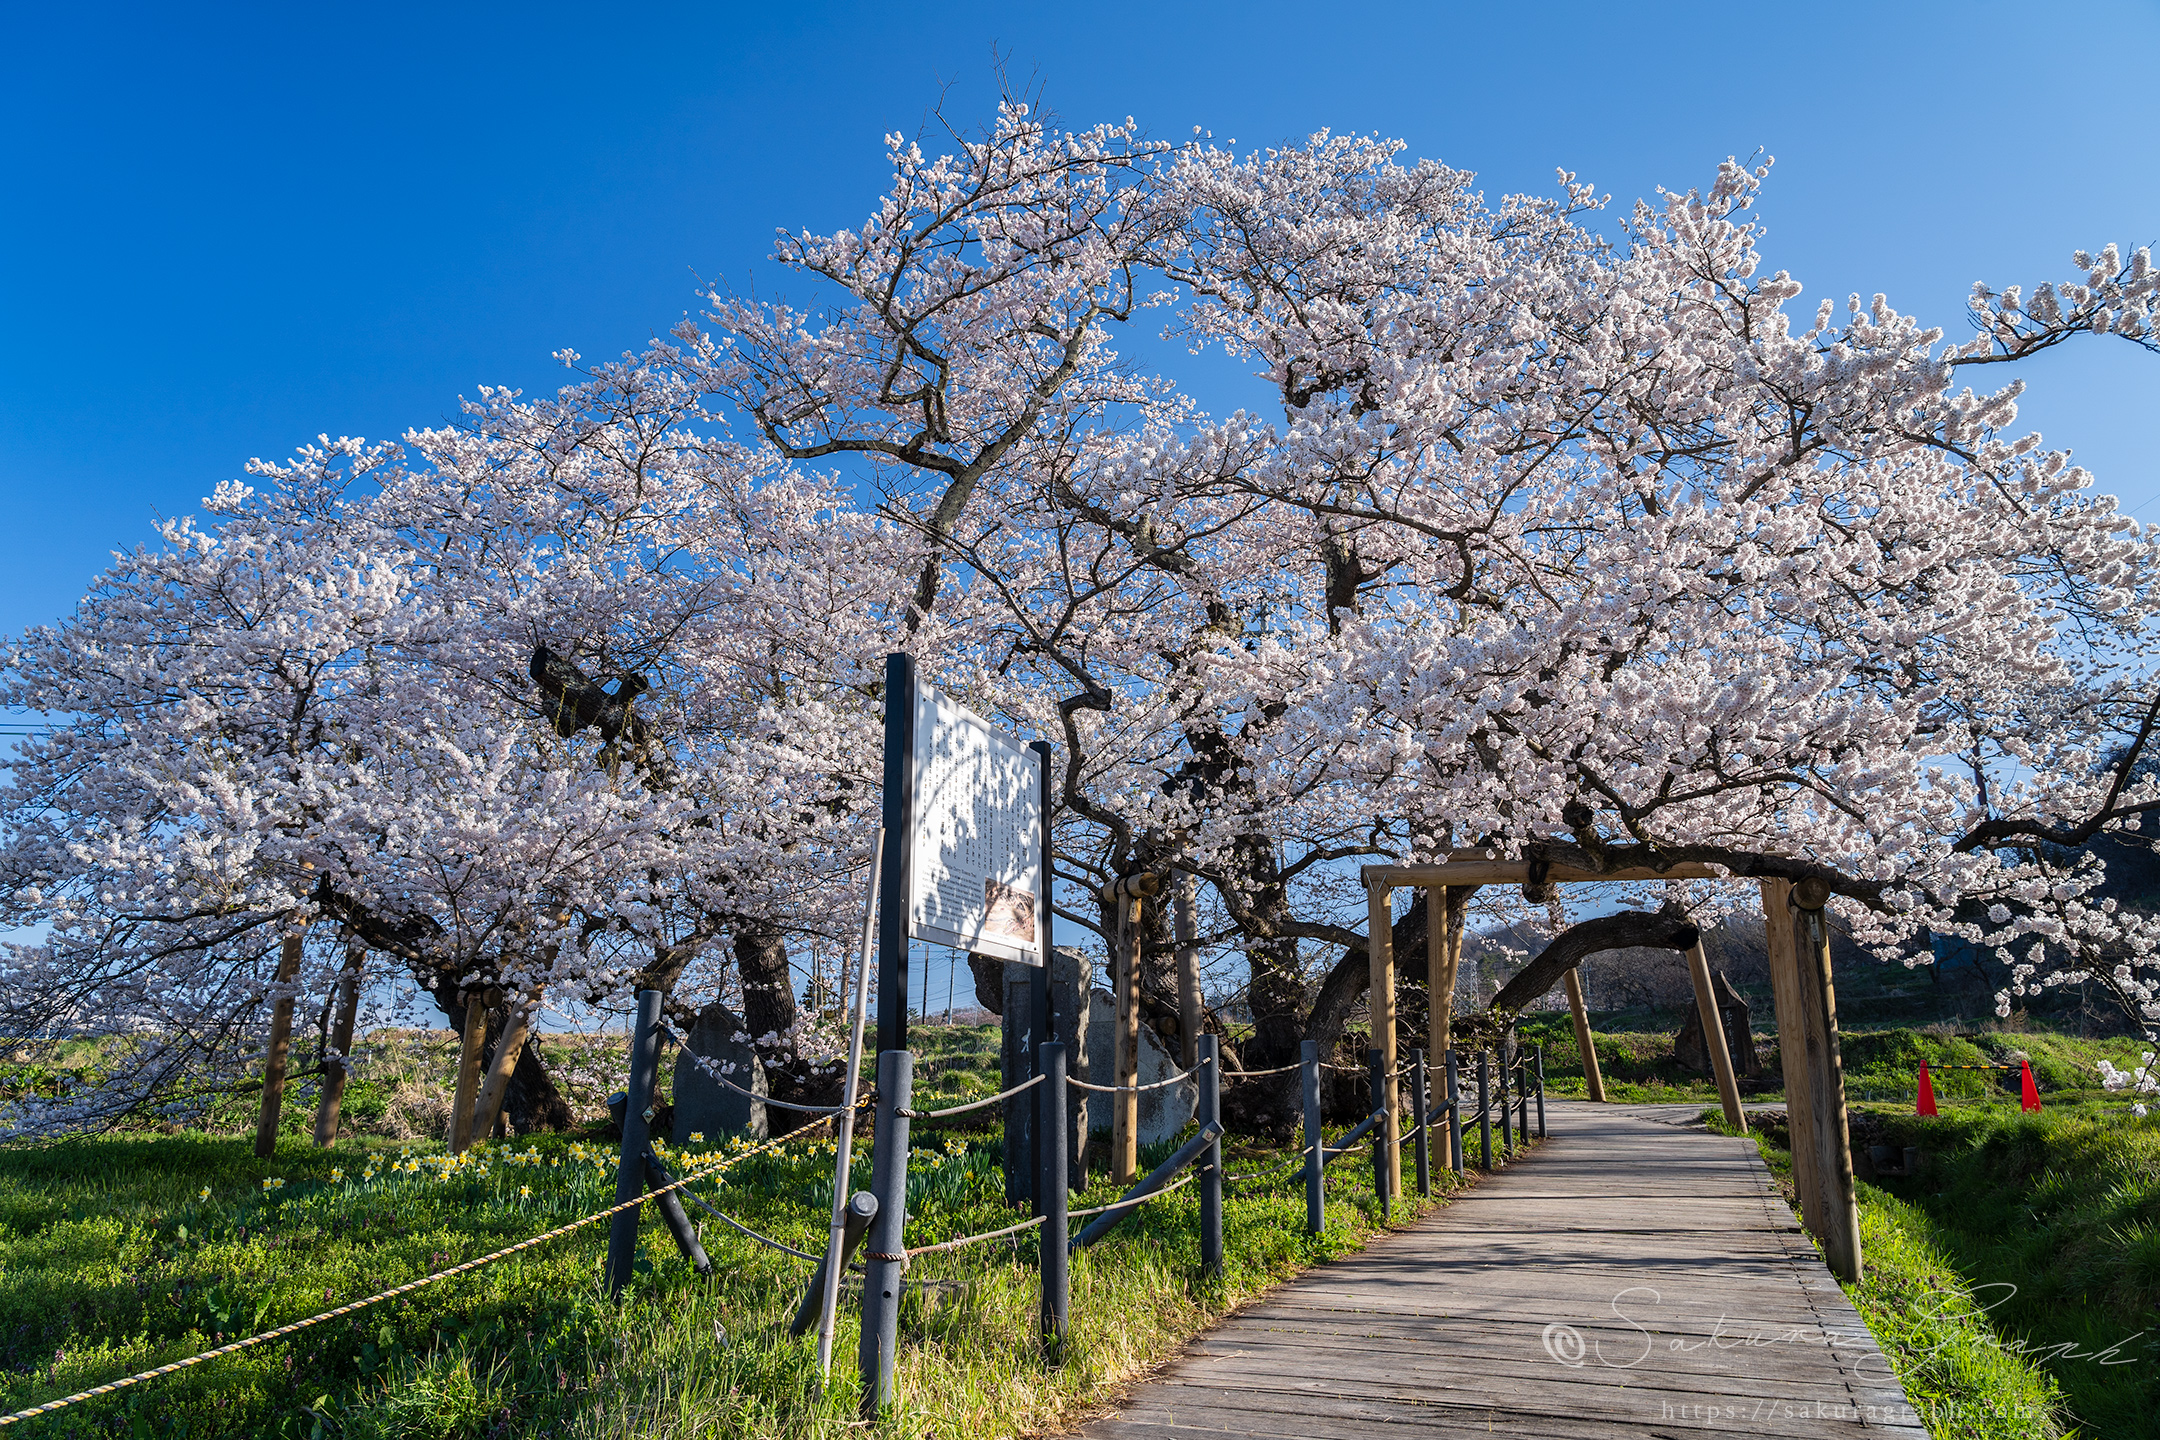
[(1811, 893)]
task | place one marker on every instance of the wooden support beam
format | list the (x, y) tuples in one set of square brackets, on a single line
[(1125, 1033), (1826, 1085), (1516, 872), (1444, 909), (341, 1030), (471, 1052), (1792, 1023), (1593, 1079), (1713, 1025), (273, 1096), (1380, 951)]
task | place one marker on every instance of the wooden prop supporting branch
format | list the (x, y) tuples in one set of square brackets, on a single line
[(1127, 894), (341, 1028), (1593, 1080), (1188, 971), (470, 1054), (273, 1096), (1792, 1024), (1445, 906), (1380, 950), (1831, 1139), (516, 1025), (1713, 1024)]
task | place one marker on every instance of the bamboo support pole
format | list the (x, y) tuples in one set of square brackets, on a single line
[(1444, 909), (341, 1035), (1713, 1027), (1593, 1079), (471, 1052), (1128, 894), (273, 1096), (1380, 950)]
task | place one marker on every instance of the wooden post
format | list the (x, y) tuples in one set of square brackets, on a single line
[(341, 1028), (1593, 1080), (1713, 1023), (1188, 970), (1826, 1084), (1792, 1023), (470, 1054), (1128, 895), (1444, 907), (516, 1025), (273, 1096), (1380, 949)]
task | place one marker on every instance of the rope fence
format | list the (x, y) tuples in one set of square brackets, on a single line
[(376, 1299)]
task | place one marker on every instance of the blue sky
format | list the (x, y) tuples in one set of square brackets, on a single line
[(230, 228)]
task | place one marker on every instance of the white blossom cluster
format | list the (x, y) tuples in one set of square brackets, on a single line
[(1538, 540)]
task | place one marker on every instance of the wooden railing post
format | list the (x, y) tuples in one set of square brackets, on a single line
[(1593, 1079)]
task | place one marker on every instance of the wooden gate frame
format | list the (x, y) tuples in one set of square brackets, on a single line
[(1798, 941)]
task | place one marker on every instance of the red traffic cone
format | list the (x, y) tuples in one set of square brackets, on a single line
[(2029, 1098), (1927, 1094)]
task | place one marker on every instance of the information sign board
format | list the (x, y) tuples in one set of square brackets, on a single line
[(977, 862)]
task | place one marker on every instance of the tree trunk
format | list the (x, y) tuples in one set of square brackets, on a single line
[(532, 1102), (769, 1015), (273, 1096), (341, 1033)]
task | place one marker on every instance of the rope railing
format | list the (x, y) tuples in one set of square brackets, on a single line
[(970, 1105), (392, 1293), (1257, 1074), (726, 1219), (1189, 1076)]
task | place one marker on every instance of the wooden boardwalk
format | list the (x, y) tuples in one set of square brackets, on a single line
[(1631, 1278)]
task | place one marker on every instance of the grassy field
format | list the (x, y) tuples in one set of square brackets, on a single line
[(124, 1252)]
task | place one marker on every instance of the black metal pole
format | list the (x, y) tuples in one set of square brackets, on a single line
[(1454, 1113), (1050, 1204), (886, 1265), (1211, 1166), (1315, 1182), (1484, 1109), (854, 1224), (1522, 1095), (1541, 1092), (1375, 1067), (1503, 1063), (636, 1139), (1420, 1115), (1041, 1028), (896, 887), (669, 1203)]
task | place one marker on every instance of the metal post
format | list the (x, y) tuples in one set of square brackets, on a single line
[(1454, 1113), (1210, 1055), (1522, 1096), (1484, 1109), (1050, 1203), (885, 1267), (1420, 1116), (1502, 1064), (636, 1137), (1540, 1092), (1376, 1067), (1309, 1083), (855, 1218), (896, 887)]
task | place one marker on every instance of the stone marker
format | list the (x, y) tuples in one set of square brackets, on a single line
[(1163, 1112), (703, 1105)]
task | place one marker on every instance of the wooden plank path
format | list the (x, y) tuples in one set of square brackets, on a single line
[(1630, 1278)]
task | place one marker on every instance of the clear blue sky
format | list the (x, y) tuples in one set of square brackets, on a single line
[(227, 229)]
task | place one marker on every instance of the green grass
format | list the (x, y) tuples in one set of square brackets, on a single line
[(113, 1260), (1964, 1378)]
